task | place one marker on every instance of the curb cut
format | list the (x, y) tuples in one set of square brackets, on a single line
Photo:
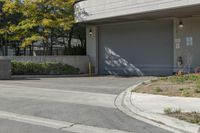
[(124, 103)]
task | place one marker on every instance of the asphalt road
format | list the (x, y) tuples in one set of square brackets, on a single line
[(67, 105)]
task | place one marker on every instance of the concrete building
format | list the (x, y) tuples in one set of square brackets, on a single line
[(141, 37)]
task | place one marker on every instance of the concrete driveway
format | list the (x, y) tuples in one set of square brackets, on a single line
[(67, 105)]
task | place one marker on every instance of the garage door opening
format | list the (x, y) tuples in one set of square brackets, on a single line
[(142, 48)]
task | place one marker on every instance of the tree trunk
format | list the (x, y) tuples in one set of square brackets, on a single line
[(6, 50), (70, 38), (43, 47), (30, 50), (25, 51), (18, 50), (51, 47)]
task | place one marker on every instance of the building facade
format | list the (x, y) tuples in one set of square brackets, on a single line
[(141, 37)]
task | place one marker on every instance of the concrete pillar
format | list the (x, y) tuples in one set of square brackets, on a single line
[(5, 68), (175, 30), (92, 46)]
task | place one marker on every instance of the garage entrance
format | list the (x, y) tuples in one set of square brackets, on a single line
[(142, 48)]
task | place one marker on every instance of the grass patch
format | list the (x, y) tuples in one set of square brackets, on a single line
[(191, 117), (184, 78), (181, 85), (154, 80), (171, 111), (167, 110), (185, 92), (158, 89), (197, 90)]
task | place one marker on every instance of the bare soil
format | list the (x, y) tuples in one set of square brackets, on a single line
[(193, 117), (186, 86)]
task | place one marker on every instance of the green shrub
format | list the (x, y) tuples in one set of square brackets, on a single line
[(168, 111), (195, 118), (154, 80), (31, 68), (177, 111), (172, 111), (197, 90), (158, 89), (164, 78), (185, 92)]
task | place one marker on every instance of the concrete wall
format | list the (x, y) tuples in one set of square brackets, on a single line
[(98, 9), (92, 46), (190, 53), (140, 48), (80, 62), (5, 68)]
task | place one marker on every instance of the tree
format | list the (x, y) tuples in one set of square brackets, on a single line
[(38, 20), (7, 20)]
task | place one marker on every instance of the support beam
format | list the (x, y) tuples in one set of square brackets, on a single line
[(92, 46)]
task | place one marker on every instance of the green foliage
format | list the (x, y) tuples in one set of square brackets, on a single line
[(192, 117), (75, 50), (172, 111), (38, 19), (197, 90), (184, 78), (177, 111), (185, 92), (134, 90), (158, 89), (31, 68), (163, 78), (154, 80), (195, 118), (167, 110)]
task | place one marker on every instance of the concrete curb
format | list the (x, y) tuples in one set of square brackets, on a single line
[(46, 76), (124, 103)]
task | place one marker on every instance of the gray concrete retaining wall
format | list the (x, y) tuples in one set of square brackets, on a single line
[(80, 62), (5, 68)]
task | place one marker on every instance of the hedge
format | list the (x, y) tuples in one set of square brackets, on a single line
[(50, 68)]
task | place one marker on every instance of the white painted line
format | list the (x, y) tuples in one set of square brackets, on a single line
[(90, 129), (68, 85), (34, 120), (55, 90), (61, 125), (85, 98)]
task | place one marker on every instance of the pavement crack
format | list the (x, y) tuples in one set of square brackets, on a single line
[(72, 125), (66, 127), (63, 127)]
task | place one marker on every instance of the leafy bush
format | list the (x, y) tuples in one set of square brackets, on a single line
[(158, 89), (197, 90), (195, 118), (168, 110), (31, 68), (172, 111), (75, 50), (192, 117), (185, 92)]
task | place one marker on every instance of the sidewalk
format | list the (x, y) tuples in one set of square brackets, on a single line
[(156, 104), (150, 108)]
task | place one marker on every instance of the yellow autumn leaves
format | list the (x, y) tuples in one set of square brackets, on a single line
[(24, 19)]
